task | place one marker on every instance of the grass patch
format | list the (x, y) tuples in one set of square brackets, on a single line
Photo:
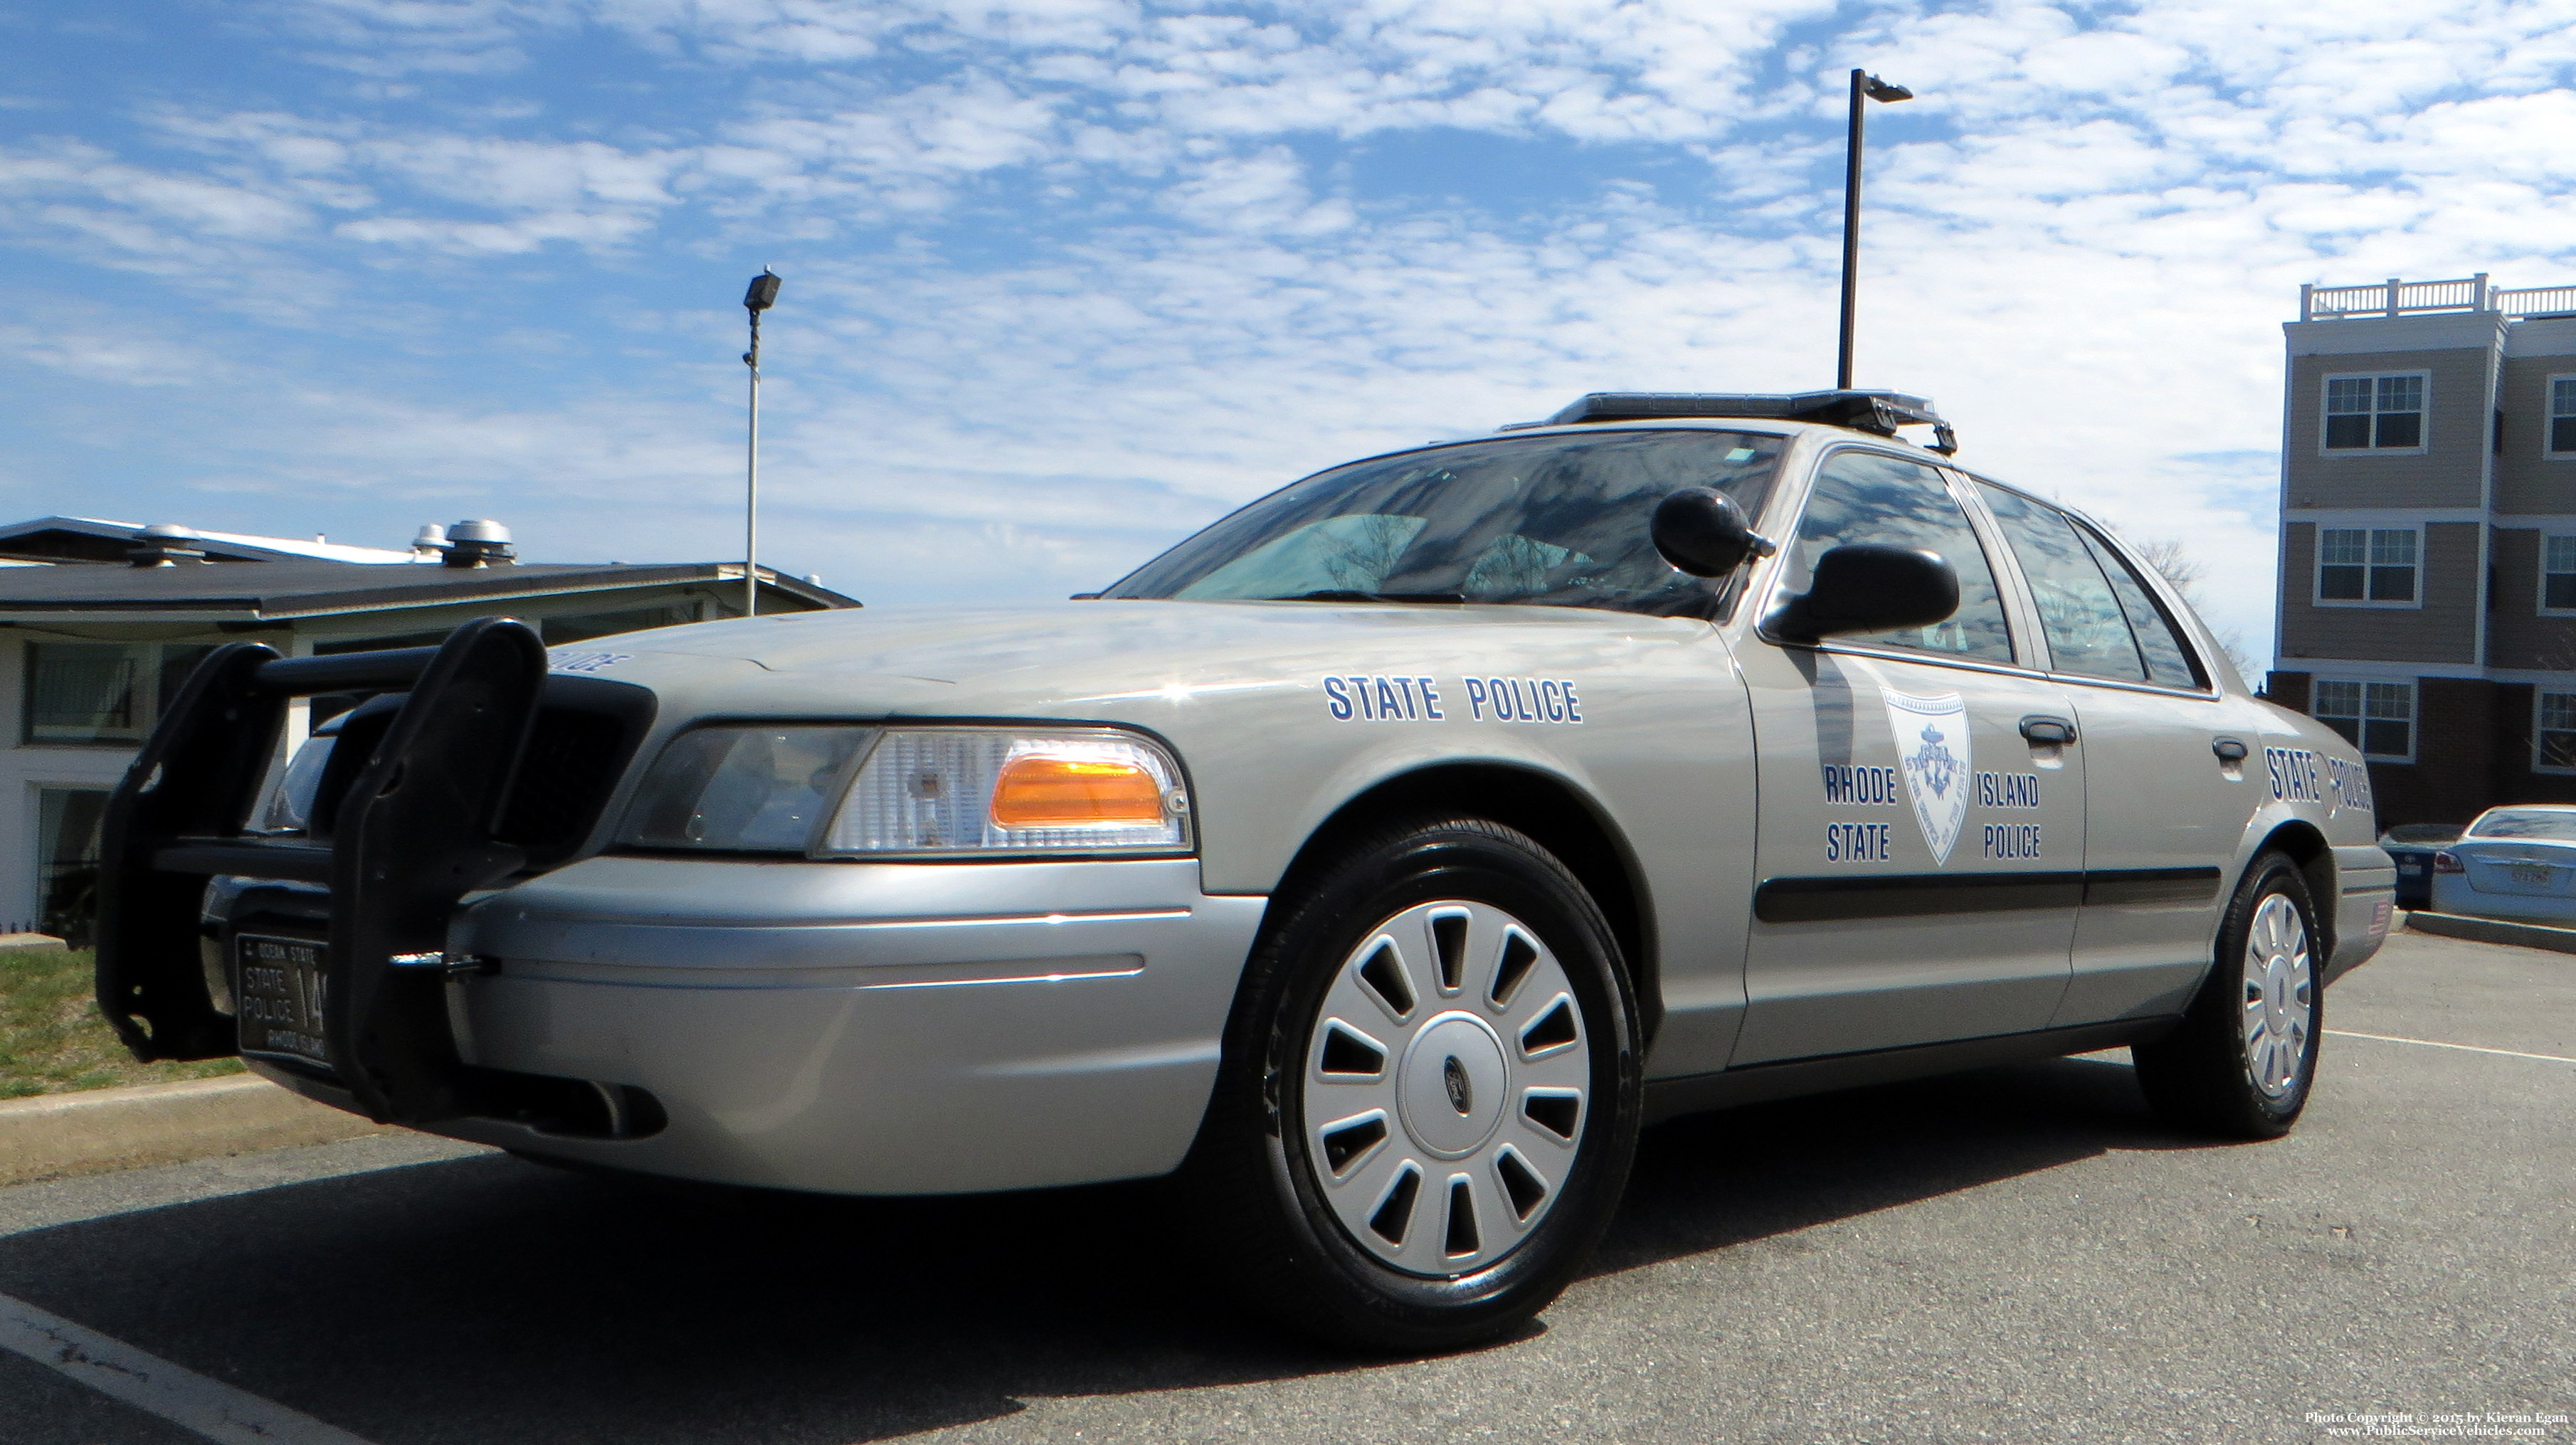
[(52, 1039)]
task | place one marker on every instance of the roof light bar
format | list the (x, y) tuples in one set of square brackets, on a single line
[(1874, 411)]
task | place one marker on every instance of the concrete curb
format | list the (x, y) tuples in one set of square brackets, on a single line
[(2494, 930), (95, 1130)]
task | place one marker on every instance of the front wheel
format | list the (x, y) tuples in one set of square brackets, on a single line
[(1430, 1094), (2241, 1063)]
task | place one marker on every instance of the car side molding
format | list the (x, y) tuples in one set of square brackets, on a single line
[(1918, 895), (1795, 1078)]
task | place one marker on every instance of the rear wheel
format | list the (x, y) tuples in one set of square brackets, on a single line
[(1430, 1093), (2241, 1063)]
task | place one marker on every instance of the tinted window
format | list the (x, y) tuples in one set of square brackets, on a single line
[(2160, 641), (1871, 497), (2556, 827), (1556, 520), (2087, 630)]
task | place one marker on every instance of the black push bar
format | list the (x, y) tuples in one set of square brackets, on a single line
[(417, 830)]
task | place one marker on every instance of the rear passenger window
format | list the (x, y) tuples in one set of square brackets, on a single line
[(1871, 497), (2087, 629), (2169, 659)]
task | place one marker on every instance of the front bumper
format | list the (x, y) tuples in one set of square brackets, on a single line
[(864, 1028)]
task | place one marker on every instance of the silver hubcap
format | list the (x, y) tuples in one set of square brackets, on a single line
[(2280, 1004), (1445, 1088)]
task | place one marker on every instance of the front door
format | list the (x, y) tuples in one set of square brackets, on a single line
[(1921, 821)]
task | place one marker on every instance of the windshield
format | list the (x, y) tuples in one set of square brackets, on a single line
[(2422, 833), (2555, 826), (1559, 521)]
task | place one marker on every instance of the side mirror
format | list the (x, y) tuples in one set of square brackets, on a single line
[(1701, 531), (1869, 587)]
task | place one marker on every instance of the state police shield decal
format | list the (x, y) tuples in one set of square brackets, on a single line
[(1932, 752)]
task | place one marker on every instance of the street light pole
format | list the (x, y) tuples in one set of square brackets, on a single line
[(1864, 87), (762, 295)]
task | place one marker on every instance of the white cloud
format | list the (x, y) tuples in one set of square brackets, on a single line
[(1072, 275)]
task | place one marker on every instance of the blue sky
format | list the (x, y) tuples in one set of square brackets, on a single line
[(1068, 278)]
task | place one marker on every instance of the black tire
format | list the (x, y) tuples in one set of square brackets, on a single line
[(2204, 1077), (1251, 1185)]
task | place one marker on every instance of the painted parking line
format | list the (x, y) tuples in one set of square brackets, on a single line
[(2464, 1048), (181, 1396)]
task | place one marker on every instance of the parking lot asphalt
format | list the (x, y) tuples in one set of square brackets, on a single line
[(2018, 1255)]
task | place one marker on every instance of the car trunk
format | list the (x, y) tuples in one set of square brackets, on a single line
[(2525, 867)]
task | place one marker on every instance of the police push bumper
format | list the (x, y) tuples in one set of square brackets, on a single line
[(344, 983)]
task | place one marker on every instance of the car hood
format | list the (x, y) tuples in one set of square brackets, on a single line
[(1096, 644)]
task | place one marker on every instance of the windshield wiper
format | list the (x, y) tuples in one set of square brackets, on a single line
[(1336, 594)]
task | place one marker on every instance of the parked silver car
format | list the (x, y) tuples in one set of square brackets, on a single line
[(1376, 862), (2516, 863)]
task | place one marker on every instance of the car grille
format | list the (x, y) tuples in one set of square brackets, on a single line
[(586, 732)]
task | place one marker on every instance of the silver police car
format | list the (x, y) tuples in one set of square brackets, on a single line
[(1375, 862)]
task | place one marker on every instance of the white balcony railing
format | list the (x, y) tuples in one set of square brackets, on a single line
[(2536, 301), (2394, 297)]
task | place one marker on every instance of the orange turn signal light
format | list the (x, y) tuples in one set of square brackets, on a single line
[(1037, 790)]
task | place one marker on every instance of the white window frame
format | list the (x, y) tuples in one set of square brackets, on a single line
[(2540, 595), (2317, 564), (2539, 754), (2424, 435), (2414, 712), (2549, 415)]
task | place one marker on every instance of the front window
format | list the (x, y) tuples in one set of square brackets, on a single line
[(2366, 564), (2562, 416), (2551, 825), (1868, 496), (102, 692), (2382, 413), (1558, 521), (2377, 717)]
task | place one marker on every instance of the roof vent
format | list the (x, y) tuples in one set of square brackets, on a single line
[(431, 544), (478, 544), (164, 544)]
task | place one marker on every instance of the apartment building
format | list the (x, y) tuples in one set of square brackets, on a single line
[(2428, 538)]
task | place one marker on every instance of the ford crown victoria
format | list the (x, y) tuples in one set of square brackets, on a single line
[(1374, 863)]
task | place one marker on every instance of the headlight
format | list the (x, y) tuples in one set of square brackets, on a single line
[(288, 808), (758, 789), (865, 792)]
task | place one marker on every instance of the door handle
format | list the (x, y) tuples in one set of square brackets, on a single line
[(2041, 728), (2229, 750)]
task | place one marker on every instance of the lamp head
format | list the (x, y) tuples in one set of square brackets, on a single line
[(1877, 89), (763, 293)]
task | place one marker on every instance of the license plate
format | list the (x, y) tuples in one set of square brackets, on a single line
[(2529, 873), (278, 992), (2411, 870)]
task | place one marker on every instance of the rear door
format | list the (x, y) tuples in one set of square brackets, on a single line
[(2172, 766), (1919, 840)]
